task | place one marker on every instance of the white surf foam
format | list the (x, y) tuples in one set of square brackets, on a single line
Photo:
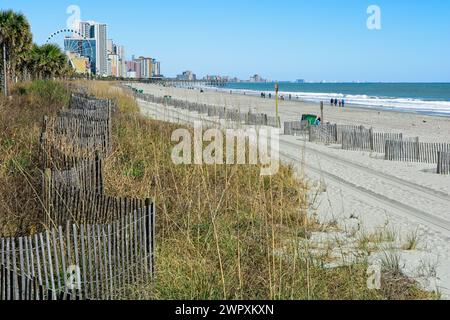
[(399, 104)]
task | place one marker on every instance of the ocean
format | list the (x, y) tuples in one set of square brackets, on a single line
[(424, 98)]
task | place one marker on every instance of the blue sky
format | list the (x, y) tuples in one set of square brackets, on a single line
[(279, 39)]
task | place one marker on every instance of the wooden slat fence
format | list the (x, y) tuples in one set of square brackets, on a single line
[(78, 132), (394, 145), (326, 133), (362, 139), (296, 128), (409, 151), (94, 246), (443, 166), (214, 111), (94, 262)]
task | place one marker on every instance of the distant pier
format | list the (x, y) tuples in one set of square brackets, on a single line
[(183, 83)]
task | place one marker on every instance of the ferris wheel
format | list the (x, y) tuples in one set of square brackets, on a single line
[(75, 45)]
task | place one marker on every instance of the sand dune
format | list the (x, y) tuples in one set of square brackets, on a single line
[(362, 192)]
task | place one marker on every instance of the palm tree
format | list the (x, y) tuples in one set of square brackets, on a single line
[(48, 61), (15, 33)]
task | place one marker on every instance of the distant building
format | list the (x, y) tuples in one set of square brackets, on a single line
[(101, 36), (156, 68), (146, 67), (86, 29), (215, 78), (110, 46), (84, 48), (116, 60), (113, 65), (187, 76), (134, 68), (122, 62), (131, 74), (98, 32), (257, 78)]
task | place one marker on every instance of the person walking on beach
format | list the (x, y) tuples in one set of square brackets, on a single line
[(343, 103), (332, 101), (340, 103), (335, 102)]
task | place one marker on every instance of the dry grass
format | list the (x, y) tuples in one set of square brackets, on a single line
[(224, 232), (20, 125)]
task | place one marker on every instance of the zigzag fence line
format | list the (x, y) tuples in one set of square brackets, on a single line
[(258, 119), (94, 245), (394, 146)]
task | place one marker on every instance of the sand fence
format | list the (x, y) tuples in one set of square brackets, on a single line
[(394, 146), (235, 115), (93, 245)]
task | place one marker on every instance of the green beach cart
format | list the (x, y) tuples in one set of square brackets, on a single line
[(312, 119)]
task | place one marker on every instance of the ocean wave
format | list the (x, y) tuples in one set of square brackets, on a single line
[(400, 104)]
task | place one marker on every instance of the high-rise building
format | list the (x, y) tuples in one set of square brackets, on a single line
[(86, 29), (98, 32), (122, 63), (156, 68), (146, 67), (110, 46), (101, 36), (113, 65), (142, 67), (187, 75), (134, 67)]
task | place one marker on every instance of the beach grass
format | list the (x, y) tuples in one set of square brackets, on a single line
[(20, 125), (223, 232)]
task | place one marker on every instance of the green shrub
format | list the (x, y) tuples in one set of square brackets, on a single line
[(50, 91)]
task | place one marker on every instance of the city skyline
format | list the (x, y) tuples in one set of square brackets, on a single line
[(90, 45), (316, 41)]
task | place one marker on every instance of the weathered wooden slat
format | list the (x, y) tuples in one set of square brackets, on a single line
[(52, 289), (78, 289)]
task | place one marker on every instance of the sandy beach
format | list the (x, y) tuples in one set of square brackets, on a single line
[(359, 191), (428, 128)]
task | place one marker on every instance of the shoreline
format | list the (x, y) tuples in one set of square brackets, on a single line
[(379, 195), (429, 128), (254, 93)]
